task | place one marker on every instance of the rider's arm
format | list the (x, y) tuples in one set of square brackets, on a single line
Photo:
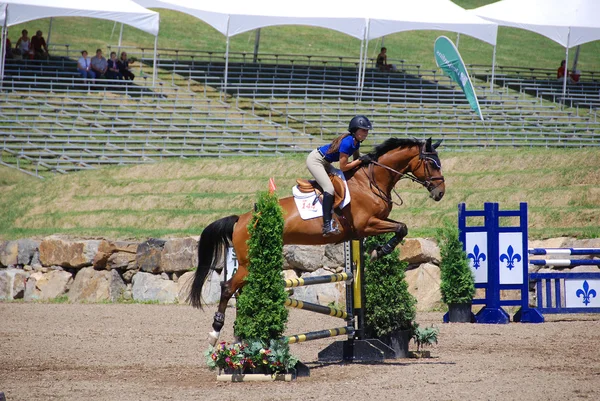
[(345, 165)]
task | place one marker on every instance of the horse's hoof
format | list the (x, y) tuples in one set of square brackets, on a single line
[(213, 337)]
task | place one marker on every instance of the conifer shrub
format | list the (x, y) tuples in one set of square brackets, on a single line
[(389, 307), (457, 281), (261, 313)]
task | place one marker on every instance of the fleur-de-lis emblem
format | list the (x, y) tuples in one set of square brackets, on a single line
[(476, 256), (586, 292), (510, 257)]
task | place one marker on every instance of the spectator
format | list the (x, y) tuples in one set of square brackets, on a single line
[(8, 48), (124, 67), (381, 62), (113, 67), (84, 66), (573, 77), (560, 73), (23, 46), (99, 64), (40, 49)]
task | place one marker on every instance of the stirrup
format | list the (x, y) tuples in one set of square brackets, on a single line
[(330, 228)]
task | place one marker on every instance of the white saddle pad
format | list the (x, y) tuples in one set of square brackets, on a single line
[(309, 206)]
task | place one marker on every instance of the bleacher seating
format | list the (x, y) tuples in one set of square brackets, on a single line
[(53, 120)]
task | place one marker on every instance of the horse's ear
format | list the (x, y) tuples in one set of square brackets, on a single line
[(428, 145), (438, 143)]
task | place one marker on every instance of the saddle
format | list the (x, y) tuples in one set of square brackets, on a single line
[(308, 186)]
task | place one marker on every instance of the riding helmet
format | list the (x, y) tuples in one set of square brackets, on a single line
[(359, 122)]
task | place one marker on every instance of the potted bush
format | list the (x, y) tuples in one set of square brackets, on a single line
[(261, 313), (389, 307), (457, 282), (424, 337)]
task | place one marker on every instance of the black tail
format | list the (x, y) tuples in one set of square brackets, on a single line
[(211, 248)]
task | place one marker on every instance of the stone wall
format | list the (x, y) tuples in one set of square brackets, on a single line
[(94, 270)]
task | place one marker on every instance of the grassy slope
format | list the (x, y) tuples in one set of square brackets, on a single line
[(180, 198), (515, 47)]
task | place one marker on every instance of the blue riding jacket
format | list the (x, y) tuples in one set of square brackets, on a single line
[(347, 146)]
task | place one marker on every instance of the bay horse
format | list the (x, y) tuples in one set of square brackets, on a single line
[(370, 186)]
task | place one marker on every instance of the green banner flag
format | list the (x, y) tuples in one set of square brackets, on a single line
[(448, 59)]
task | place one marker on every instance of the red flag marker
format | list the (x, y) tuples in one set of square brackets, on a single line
[(272, 187)]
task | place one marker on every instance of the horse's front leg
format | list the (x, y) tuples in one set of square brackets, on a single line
[(377, 226), (228, 288)]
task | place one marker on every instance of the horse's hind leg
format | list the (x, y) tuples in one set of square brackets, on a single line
[(228, 288)]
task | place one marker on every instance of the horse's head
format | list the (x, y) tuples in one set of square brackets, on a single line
[(428, 169), (414, 159)]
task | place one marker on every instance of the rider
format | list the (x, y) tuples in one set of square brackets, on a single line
[(340, 149)]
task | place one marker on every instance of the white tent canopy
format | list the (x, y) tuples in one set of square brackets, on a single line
[(570, 23), (351, 17), (235, 16), (124, 11), (442, 15)]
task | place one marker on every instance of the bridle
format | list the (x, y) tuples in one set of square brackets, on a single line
[(428, 183)]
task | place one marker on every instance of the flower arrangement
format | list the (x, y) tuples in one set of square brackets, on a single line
[(251, 357)]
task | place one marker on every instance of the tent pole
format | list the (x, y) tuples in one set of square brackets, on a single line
[(457, 39), (362, 83), (154, 64), (576, 59), (49, 32), (2, 53), (3, 34), (226, 58), (566, 69), (360, 62), (121, 37), (256, 44), (493, 70)]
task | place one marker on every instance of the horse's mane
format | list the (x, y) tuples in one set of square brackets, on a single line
[(393, 143)]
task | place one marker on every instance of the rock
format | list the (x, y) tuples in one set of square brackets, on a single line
[(128, 275), (306, 258), (128, 293), (27, 250), (48, 286), (93, 286), (180, 254), (124, 246), (334, 257), (8, 253), (560, 242), (105, 249), (148, 287), (323, 294), (211, 291), (586, 269), (55, 250), (12, 283), (148, 255), (419, 250), (424, 285), (121, 261)]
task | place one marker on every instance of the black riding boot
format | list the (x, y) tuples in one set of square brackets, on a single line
[(328, 228)]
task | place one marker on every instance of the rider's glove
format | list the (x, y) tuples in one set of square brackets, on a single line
[(365, 159)]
